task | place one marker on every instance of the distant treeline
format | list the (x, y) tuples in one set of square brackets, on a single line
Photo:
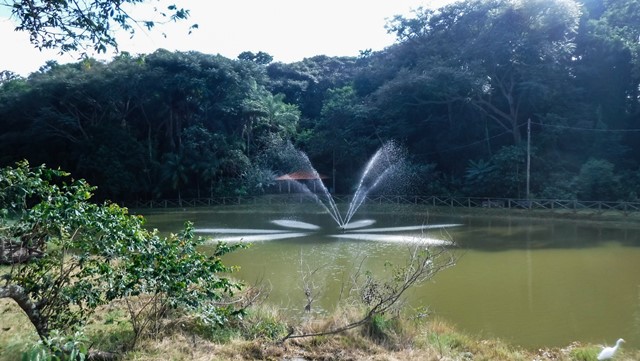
[(458, 90)]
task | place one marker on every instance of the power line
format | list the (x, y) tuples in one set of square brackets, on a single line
[(586, 129), (466, 145), (523, 124)]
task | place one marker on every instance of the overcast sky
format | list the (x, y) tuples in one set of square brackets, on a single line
[(289, 30)]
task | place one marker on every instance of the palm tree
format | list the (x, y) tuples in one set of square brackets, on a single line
[(174, 172)]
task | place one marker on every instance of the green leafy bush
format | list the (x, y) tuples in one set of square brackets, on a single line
[(597, 181), (70, 256)]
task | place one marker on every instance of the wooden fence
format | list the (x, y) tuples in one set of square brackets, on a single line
[(575, 206)]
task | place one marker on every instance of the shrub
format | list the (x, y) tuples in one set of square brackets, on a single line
[(597, 181), (71, 256)]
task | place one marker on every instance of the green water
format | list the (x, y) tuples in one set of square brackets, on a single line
[(531, 282)]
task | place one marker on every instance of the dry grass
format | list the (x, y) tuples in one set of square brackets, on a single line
[(16, 332), (256, 338)]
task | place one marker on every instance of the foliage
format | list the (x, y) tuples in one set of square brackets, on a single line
[(184, 123), (305, 83), (560, 186), (479, 175), (58, 24), (260, 58), (257, 180), (505, 53), (57, 347), (82, 255), (264, 326), (584, 354), (597, 180), (380, 328), (458, 89), (420, 178)]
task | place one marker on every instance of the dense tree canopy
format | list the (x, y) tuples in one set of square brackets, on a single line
[(458, 89)]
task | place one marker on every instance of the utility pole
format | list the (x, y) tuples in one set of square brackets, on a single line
[(528, 155)]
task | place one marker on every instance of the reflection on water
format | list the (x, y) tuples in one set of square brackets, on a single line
[(359, 224), (409, 228), (260, 237), (393, 238), (216, 231), (295, 224), (531, 282)]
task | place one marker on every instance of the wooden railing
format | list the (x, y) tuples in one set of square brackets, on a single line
[(595, 207)]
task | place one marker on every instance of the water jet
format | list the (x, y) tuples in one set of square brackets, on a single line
[(385, 162)]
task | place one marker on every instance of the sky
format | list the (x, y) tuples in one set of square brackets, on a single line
[(289, 30)]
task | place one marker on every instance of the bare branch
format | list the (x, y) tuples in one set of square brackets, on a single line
[(381, 297)]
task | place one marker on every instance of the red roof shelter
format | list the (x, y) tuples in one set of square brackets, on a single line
[(299, 176)]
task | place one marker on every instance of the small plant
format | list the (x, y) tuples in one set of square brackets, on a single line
[(584, 354), (268, 328), (447, 340), (381, 328), (59, 347), (113, 316), (262, 323)]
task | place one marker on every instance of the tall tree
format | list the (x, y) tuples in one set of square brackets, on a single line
[(509, 53)]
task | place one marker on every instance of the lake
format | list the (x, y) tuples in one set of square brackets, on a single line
[(531, 282)]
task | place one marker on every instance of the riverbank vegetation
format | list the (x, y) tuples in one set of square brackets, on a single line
[(460, 89), (256, 337)]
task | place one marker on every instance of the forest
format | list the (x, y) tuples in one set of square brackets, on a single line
[(470, 90)]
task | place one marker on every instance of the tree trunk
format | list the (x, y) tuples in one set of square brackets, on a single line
[(20, 296)]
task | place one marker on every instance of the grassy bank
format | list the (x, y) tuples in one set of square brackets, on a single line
[(257, 336)]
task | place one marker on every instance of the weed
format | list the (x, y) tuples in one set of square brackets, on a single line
[(269, 329), (584, 354)]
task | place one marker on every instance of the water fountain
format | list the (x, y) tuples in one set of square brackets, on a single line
[(387, 160), (379, 174)]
